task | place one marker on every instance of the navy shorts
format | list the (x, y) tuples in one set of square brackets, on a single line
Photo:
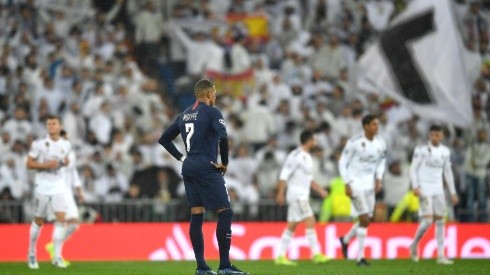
[(207, 189)]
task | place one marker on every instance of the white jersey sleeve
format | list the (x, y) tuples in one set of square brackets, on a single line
[(417, 159), (380, 170), (34, 151), (288, 168), (345, 158)]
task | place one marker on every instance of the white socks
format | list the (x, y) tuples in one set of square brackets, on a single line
[(286, 237), (69, 230), (34, 231), (424, 224), (440, 237), (361, 238), (58, 237), (352, 233), (313, 240)]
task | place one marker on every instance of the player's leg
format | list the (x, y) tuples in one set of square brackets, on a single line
[(58, 203), (40, 208), (214, 195), (426, 217), (72, 218), (344, 240), (363, 202), (439, 206), (361, 233), (195, 228), (72, 225), (310, 232), (293, 218), (286, 237)]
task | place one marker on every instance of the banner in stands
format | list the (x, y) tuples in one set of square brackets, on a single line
[(251, 241), (421, 62), (237, 85)]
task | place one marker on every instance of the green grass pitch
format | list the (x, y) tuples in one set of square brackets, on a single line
[(392, 267)]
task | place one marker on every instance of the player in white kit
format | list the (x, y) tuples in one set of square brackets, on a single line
[(361, 166), (430, 162), (49, 156), (73, 182), (297, 175)]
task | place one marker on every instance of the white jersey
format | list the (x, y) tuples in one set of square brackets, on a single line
[(298, 173), (362, 161), (50, 182), (429, 163)]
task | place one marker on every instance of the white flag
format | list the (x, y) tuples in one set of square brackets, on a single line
[(421, 62)]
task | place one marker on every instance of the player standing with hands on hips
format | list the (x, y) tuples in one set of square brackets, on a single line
[(49, 157), (361, 166), (297, 174), (202, 128), (430, 162)]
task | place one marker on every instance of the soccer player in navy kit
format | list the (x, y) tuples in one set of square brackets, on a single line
[(202, 128)]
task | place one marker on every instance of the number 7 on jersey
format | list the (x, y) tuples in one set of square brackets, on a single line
[(189, 129)]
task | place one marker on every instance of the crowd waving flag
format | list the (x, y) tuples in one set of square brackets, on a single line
[(421, 62)]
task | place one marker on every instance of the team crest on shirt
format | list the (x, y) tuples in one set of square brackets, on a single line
[(363, 145), (47, 144)]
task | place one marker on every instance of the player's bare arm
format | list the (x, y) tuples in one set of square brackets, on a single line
[(378, 185), (348, 190), (281, 188), (319, 190), (79, 194)]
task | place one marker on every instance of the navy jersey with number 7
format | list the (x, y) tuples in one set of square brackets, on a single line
[(201, 127)]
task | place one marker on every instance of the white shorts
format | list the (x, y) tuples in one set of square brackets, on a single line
[(71, 209), (432, 205), (42, 203), (363, 201), (298, 210)]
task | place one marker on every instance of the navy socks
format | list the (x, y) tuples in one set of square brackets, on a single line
[(195, 233), (223, 235)]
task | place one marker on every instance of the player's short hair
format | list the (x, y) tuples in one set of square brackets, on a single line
[(63, 133), (435, 128), (50, 117), (201, 86), (305, 136), (367, 119)]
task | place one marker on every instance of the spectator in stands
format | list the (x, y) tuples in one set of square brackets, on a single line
[(267, 175), (101, 123), (258, 125), (475, 168), (111, 186), (396, 184), (19, 126), (149, 29), (13, 177)]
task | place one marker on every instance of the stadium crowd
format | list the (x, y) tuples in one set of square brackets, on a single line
[(118, 72)]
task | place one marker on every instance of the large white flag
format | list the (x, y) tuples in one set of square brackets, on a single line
[(421, 62)]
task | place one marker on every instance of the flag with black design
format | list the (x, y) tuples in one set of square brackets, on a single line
[(421, 62)]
